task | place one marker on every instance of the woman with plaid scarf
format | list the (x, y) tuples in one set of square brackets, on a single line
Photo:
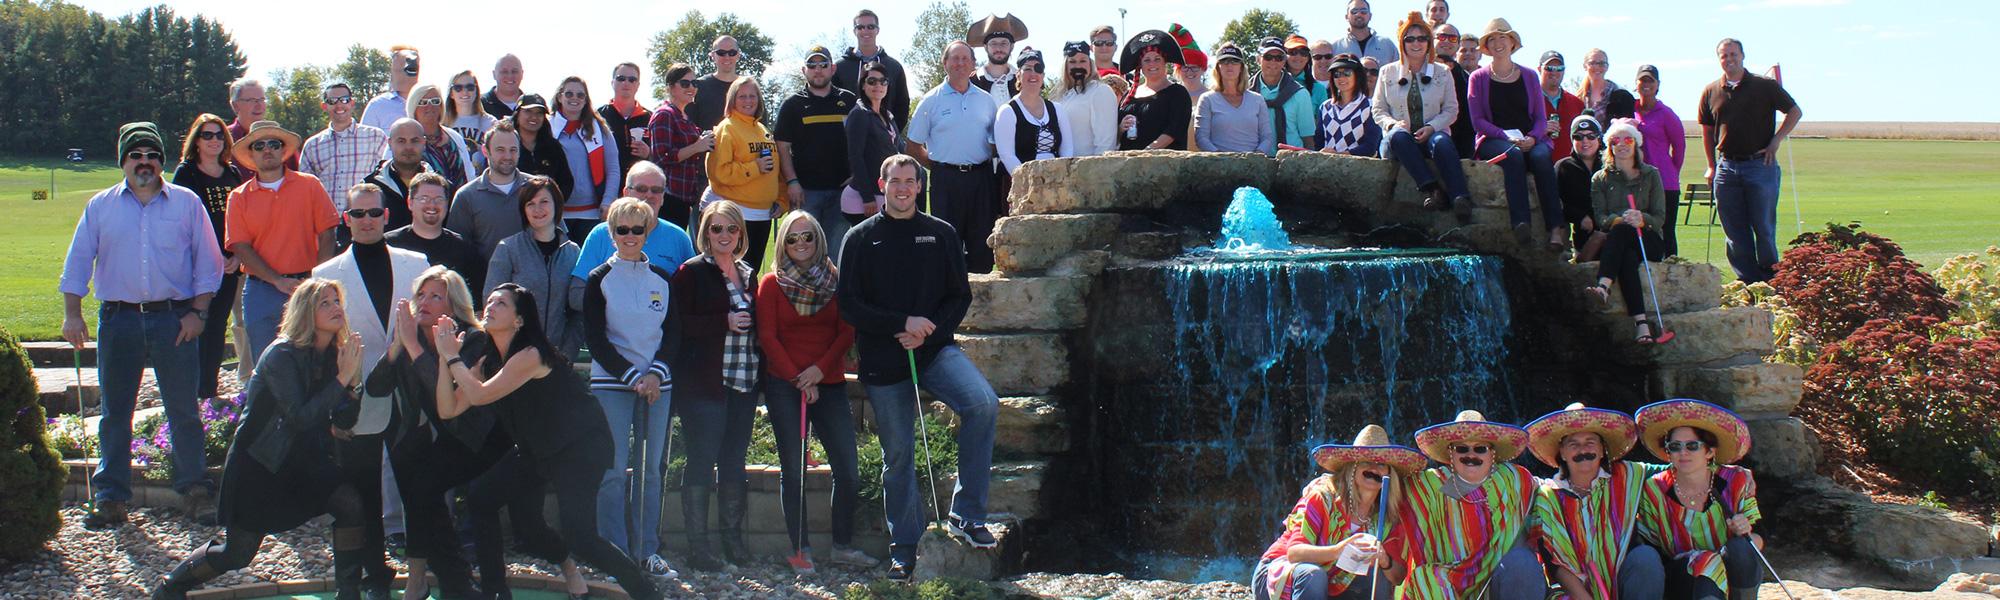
[(716, 374)]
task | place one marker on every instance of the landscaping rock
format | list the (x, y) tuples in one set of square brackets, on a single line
[(1782, 448), (1003, 303), (1030, 243), (1683, 287), (941, 555), (1032, 425), (1019, 364), (1702, 337), (1754, 391)]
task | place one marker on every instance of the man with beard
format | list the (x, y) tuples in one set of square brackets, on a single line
[(151, 250), (505, 97), (1586, 515), (952, 129), (427, 236), (998, 34), (847, 72), (485, 211), (405, 162), (812, 140), (1467, 521)]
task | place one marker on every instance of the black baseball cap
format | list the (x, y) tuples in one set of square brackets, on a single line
[(819, 51), (1648, 71), (1551, 55)]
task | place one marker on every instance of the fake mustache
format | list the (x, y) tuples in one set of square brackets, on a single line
[(1078, 73), (1471, 461), (1584, 457)]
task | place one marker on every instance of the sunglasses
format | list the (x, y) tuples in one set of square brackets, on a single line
[(818, 64), (1444, 37), (365, 213), (576, 95), (724, 53), (799, 238), (875, 81), (626, 79), (1481, 449), (431, 102), (145, 155), (1343, 74), (1688, 446), (1597, 63), (464, 87), (1584, 136), (340, 100), (1554, 68), (1271, 56), (867, 27), (684, 83), (1358, 11), (209, 135), (647, 189), (722, 229), (1298, 52), (1322, 57), (629, 230), (1104, 43), (262, 145), (1623, 141), (1416, 39)]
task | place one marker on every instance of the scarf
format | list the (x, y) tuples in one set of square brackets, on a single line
[(808, 289), (593, 144)]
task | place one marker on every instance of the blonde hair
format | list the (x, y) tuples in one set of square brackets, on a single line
[(631, 210), (729, 106), (299, 325), (455, 291), (417, 93), (819, 234), (1242, 80), (719, 211)]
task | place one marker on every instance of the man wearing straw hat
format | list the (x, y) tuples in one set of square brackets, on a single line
[(1465, 522), (1699, 511), (1339, 524), (279, 226), (1585, 515)]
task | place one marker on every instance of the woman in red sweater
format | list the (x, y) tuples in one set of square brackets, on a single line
[(805, 349)]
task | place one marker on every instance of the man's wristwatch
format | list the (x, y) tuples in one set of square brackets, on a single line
[(201, 313)]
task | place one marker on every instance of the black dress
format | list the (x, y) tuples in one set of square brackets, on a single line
[(1166, 112), (280, 470)]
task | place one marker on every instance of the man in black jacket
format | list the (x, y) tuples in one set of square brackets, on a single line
[(847, 72), (393, 175), (903, 287), (504, 97)]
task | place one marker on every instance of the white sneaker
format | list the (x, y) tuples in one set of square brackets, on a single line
[(853, 557), (659, 567)]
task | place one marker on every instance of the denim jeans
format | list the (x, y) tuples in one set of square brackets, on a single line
[(1519, 576), (832, 420), (1746, 201), (126, 340), (1309, 583), (824, 206), (1518, 165), (1410, 153), (953, 379), (263, 308), (718, 437), (611, 492), (1642, 576)]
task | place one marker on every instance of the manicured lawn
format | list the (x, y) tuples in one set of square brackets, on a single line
[(31, 258)]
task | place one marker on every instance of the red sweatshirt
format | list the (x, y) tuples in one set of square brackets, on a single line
[(792, 342)]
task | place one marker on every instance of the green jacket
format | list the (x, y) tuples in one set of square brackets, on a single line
[(1609, 187)]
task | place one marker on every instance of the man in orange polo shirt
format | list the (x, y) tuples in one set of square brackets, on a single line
[(279, 225)]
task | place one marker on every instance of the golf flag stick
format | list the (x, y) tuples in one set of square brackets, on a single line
[(1778, 75), (1666, 335), (937, 515)]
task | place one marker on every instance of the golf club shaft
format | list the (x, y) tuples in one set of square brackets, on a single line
[(1652, 285), (802, 472), (1774, 571), (916, 397), (635, 470)]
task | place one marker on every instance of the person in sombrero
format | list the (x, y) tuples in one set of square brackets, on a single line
[(1466, 522), (1585, 516), (1698, 513), (1338, 511)]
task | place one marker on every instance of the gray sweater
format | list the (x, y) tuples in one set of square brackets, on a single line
[(1246, 127), (484, 214), (517, 260)]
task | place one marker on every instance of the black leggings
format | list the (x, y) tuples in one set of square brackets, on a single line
[(212, 334), (512, 483), (576, 472), (759, 234), (240, 545), (360, 462), (426, 470), (1673, 245), (1620, 263)]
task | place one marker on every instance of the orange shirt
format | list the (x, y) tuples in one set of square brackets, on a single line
[(283, 226)]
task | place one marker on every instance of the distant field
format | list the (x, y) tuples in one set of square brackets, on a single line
[(1937, 199), (1869, 130)]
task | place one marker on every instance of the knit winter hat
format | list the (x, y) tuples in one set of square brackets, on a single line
[(138, 134)]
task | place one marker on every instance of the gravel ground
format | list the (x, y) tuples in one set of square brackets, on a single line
[(124, 562), (1117, 587)]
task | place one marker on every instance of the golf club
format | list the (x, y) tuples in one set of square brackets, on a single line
[(802, 476), (1660, 318), (1774, 571), (635, 473), (937, 515), (76, 361)]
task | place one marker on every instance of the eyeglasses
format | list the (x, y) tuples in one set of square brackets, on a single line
[(647, 189), (1104, 43), (576, 95), (1554, 68), (365, 213), (799, 238), (1416, 39), (1678, 447), (1358, 11), (145, 155), (1322, 57), (722, 229), (684, 83), (1597, 63), (1585, 136), (262, 145), (874, 81), (629, 230), (626, 79), (464, 87), (431, 102), (338, 100), (209, 134), (818, 64), (866, 27), (1479, 449), (724, 53)]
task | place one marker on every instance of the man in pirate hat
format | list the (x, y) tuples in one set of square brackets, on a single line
[(997, 34), (1466, 522), (1585, 516), (1340, 513)]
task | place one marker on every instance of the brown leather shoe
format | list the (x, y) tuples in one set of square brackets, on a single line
[(105, 515)]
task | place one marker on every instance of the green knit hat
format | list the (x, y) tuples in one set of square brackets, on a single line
[(136, 134)]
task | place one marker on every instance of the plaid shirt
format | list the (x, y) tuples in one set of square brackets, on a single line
[(739, 350), (670, 131), (341, 159)]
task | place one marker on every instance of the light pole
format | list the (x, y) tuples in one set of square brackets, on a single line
[(1121, 23)]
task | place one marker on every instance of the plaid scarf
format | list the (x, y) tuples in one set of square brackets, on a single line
[(739, 350), (808, 289)]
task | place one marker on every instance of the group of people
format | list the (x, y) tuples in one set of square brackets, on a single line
[(1377, 524)]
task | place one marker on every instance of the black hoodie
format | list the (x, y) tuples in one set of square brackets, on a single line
[(847, 76)]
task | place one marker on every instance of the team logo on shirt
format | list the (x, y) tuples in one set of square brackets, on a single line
[(658, 304), (926, 239)]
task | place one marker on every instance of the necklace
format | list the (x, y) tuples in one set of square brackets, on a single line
[(1682, 492)]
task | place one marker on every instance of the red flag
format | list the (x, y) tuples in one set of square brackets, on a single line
[(1777, 73)]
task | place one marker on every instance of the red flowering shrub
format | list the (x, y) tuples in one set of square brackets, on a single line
[(1921, 399), (1838, 279)]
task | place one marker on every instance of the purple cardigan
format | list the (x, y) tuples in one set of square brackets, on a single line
[(1477, 97), (1666, 143)]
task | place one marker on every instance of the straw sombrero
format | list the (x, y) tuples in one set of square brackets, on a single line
[(1370, 446), (1732, 436), (1546, 434), (261, 130), (1470, 426)]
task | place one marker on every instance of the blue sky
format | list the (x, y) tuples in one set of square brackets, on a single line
[(1834, 52)]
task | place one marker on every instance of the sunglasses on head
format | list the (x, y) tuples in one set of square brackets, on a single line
[(340, 100), (1480, 449), (722, 229), (464, 87), (210, 134), (365, 213), (725, 53), (806, 237), (1688, 446), (262, 145), (629, 230), (430, 102), (626, 78), (145, 155)]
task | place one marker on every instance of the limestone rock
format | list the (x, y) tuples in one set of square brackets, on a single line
[(1148, 245), (1003, 303), (1753, 390), (1034, 242), (1782, 448), (1482, 180), (1337, 179), (1013, 492), (1682, 287), (941, 555), (1983, 583), (1915, 538), (1702, 337), (1032, 425), (1019, 364), (1088, 263)]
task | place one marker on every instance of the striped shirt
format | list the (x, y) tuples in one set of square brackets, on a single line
[(1455, 544), (1588, 533), (341, 158), (1319, 519), (1697, 535)]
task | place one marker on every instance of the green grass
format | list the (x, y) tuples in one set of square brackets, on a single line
[(1937, 199)]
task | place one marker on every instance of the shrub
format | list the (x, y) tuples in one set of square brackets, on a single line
[(31, 472), (868, 450), (1789, 345), (71, 437), (1918, 397), (1973, 282), (152, 438), (942, 588), (1841, 278)]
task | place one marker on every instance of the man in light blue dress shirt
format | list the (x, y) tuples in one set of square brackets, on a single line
[(952, 130)]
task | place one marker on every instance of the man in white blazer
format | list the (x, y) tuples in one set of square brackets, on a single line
[(375, 276)]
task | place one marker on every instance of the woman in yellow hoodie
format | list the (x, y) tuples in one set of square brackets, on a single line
[(743, 169)]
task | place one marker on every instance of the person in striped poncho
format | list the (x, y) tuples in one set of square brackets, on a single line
[(1339, 513), (1700, 511), (1464, 524), (1585, 517)]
